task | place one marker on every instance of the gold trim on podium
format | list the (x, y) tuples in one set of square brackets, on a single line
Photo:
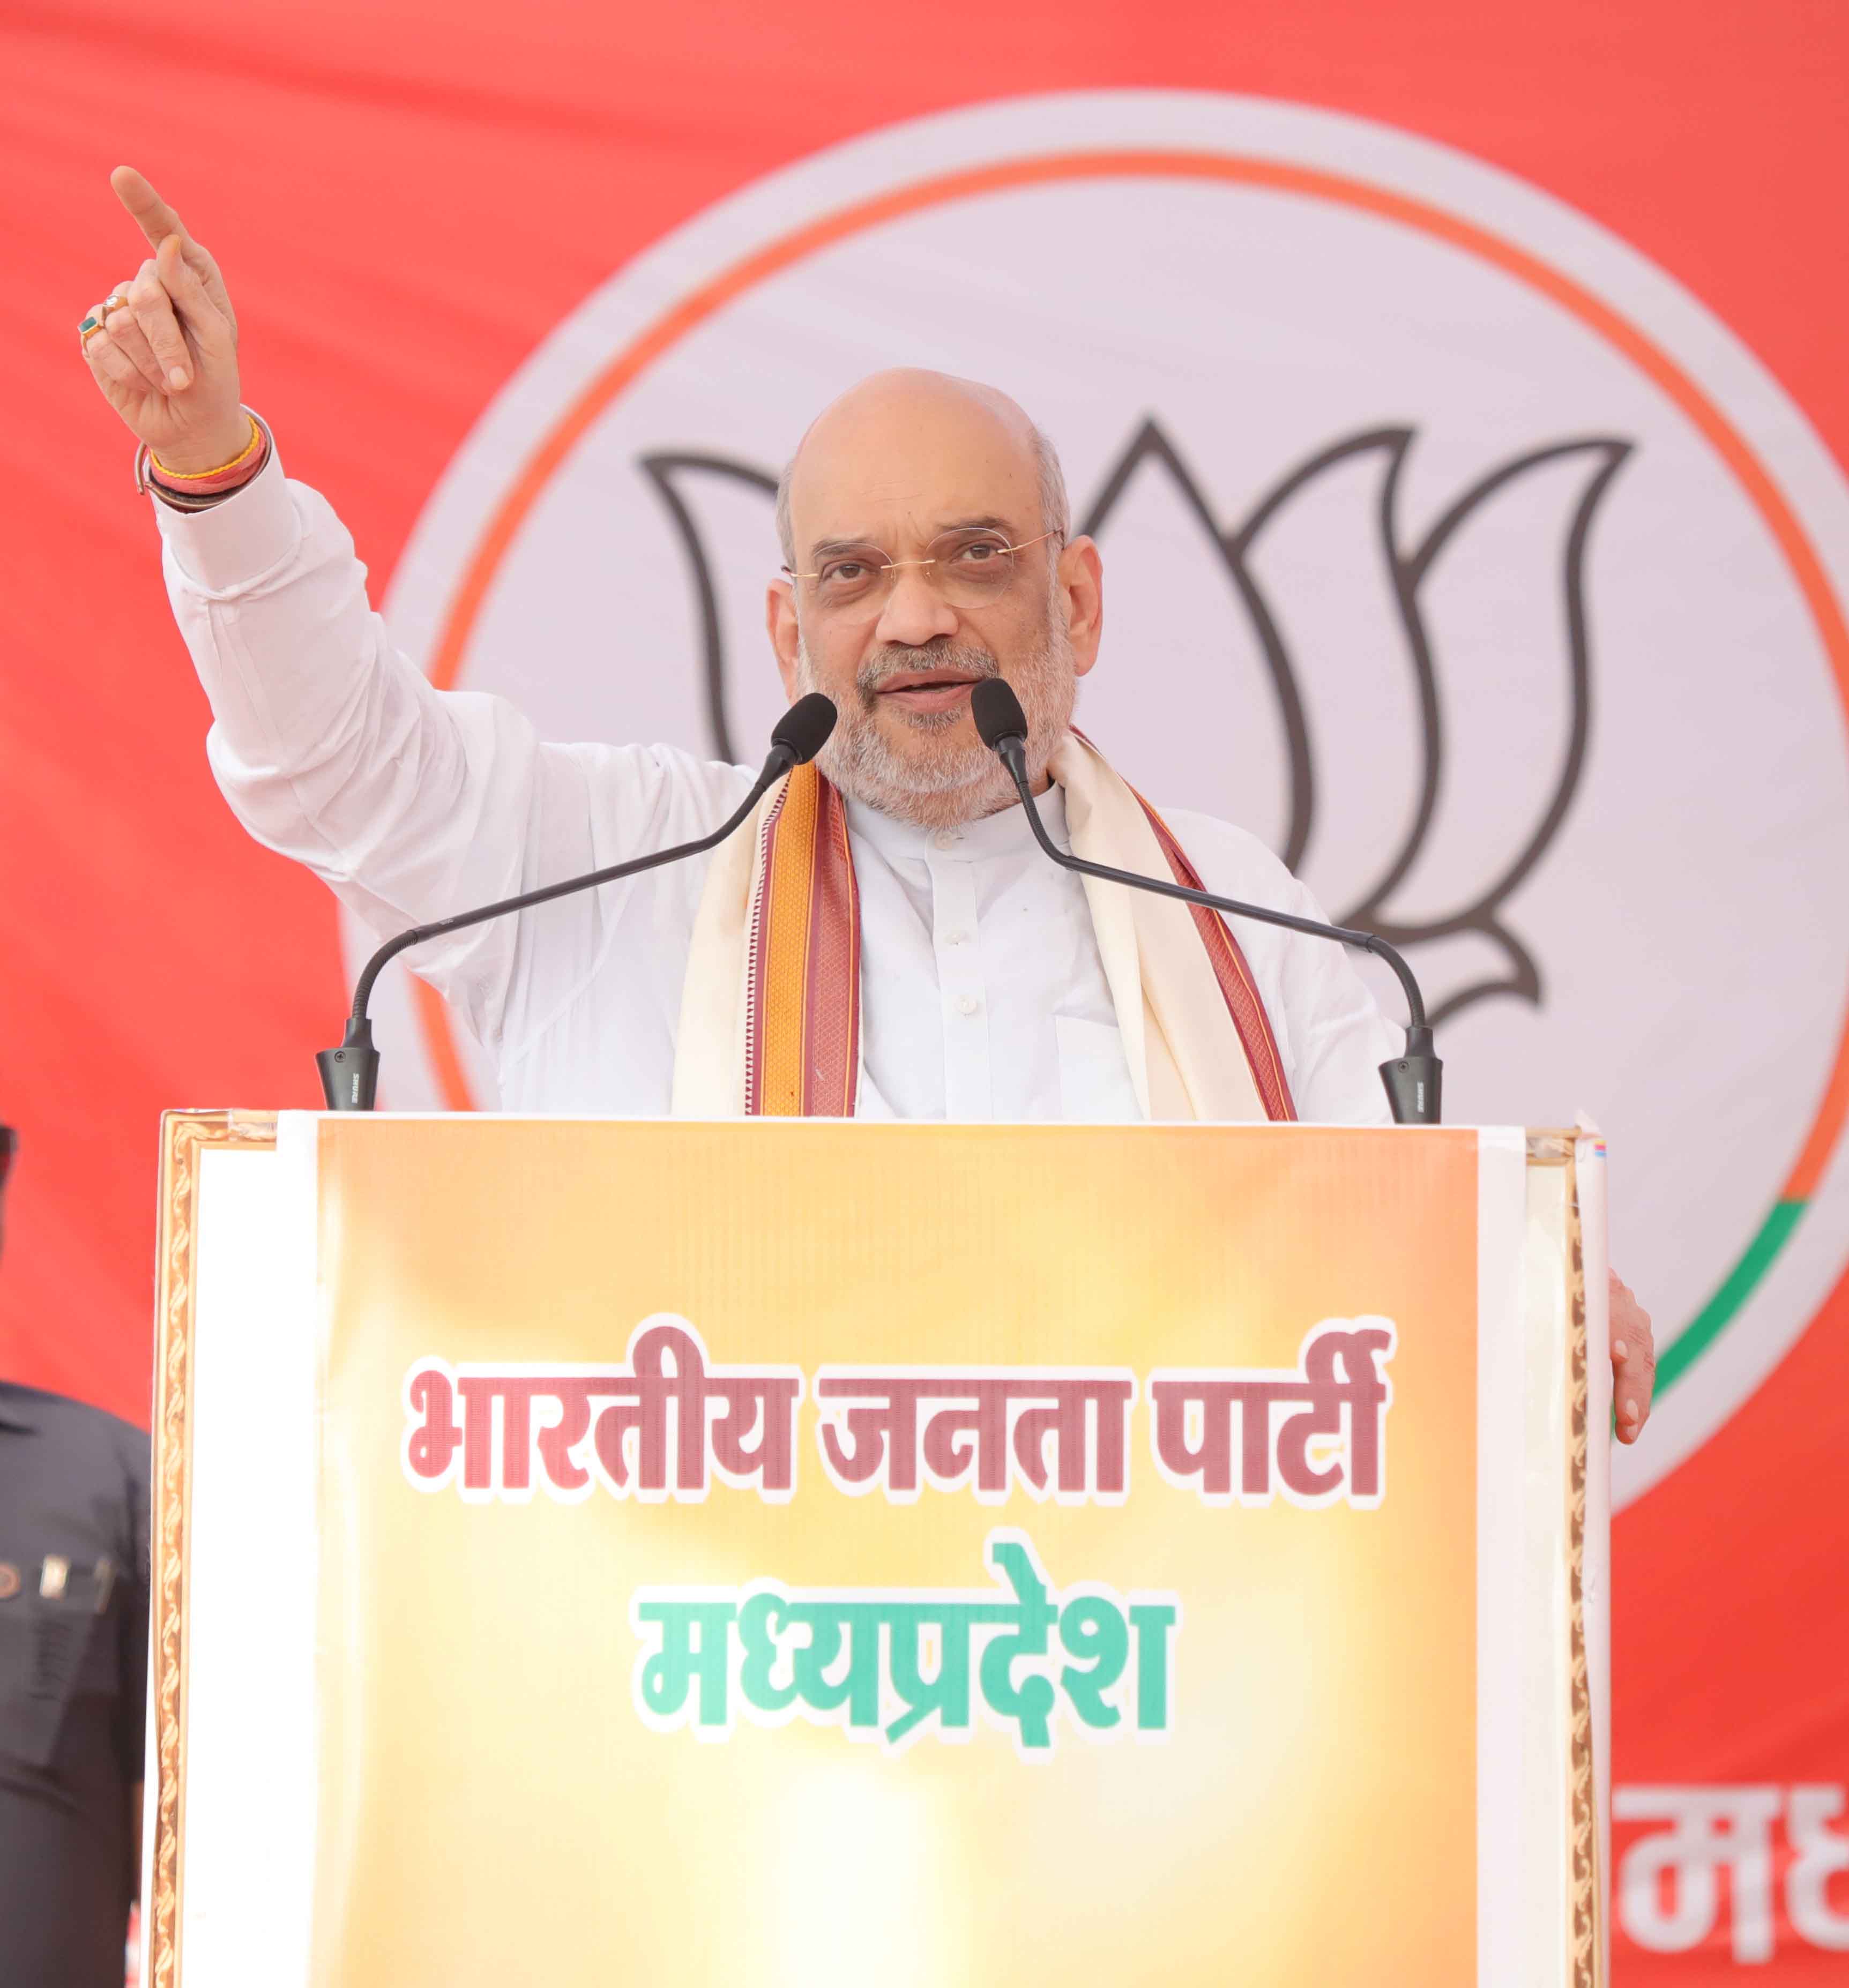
[(1560, 1149), (1588, 1902), (184, 1135)]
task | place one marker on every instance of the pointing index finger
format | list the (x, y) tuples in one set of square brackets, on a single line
[(156, 218)]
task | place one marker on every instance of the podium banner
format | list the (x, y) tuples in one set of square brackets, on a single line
[(818, 1552)]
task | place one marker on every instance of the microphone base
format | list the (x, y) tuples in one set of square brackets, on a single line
[(1414, 1082), (350, 1075)]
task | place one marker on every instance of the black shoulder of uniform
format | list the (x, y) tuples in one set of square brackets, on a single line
[(84, 1436)]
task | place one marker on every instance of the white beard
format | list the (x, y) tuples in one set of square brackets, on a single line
[(960, 779)]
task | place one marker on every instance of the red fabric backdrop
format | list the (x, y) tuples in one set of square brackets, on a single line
[(405, 197)]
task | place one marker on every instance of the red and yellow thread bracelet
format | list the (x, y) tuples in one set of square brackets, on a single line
[(151, 472)]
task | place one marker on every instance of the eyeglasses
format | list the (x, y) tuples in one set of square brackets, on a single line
[(969, 568)]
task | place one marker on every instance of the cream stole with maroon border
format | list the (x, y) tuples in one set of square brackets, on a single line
[(769, 1020)]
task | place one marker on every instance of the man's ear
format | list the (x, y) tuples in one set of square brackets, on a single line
[(1082, 594), (780, 619)]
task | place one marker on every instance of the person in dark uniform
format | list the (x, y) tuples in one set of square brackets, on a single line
[(73, 1671)]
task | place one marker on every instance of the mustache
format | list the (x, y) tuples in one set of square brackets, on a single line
[(963, 659)]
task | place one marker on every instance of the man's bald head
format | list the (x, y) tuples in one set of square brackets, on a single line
[(924, 521), (912, 423)]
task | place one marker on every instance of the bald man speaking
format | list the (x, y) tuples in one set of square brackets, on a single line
[(893, 893)]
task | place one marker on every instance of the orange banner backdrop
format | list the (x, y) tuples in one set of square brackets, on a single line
[(407, 200)]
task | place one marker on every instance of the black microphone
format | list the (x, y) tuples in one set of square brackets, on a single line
[(350, 1075), (1412, 1080)]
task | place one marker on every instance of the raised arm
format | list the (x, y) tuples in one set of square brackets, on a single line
[(331, 746)]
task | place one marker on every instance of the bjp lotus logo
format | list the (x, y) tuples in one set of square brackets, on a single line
[(1546, 567), (1449, 546)]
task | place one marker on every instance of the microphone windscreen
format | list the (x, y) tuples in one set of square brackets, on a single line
[(803, 730), (997, 713)]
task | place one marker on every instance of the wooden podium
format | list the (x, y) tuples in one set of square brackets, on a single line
[(633, 1551)]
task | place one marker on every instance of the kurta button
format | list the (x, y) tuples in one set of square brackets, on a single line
[(955, 937), (968, 1005), (946, 838)]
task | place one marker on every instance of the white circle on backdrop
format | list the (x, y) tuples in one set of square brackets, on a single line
[(1415, 563)]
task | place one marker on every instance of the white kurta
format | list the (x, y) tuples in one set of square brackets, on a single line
[(983, 994)]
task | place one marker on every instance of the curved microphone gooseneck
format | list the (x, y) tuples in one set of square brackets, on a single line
[(1412, 1081), (350, 1075)]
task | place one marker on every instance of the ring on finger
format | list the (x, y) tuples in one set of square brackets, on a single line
[(98, 319)]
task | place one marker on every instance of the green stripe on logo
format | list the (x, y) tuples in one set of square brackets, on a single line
[(1736, 1287)]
